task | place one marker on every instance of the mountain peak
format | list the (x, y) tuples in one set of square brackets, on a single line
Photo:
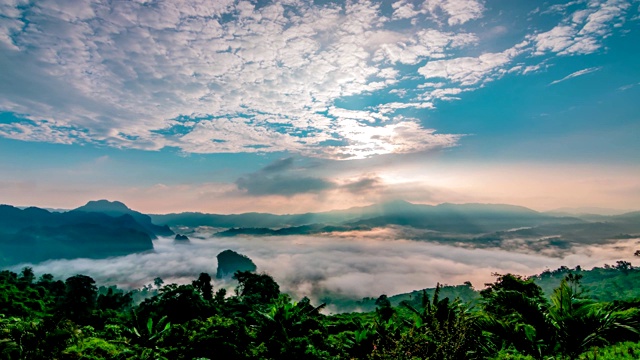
[(397, 204), (104, 206)]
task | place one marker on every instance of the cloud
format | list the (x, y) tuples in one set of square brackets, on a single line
[(577, 73), (456, 12), (431, 43), (469, 70), (582, 31), (282, 178), (361, 265), (231, 76), (627, 87), (363, 185)]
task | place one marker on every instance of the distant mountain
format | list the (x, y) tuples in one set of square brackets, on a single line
[(116, 209), (34, 235), (592, 210), (633, 216), (293, 230), (463, 218)]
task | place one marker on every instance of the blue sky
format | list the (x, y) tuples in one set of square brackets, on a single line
[(288, 106)]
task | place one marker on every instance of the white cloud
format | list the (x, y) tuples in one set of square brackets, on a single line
[(468, 71), (429, 43), (456, 12), (459, 11), (400, 136), (231, 76), (582, 31), (255, 79), (576, 74)]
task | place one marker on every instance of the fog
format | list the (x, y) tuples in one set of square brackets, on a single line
[(358, 264)]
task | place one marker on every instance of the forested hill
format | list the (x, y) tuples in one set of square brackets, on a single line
[(619, 281), (511, 318)]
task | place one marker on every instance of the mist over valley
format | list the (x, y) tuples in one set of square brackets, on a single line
[(388, 248)]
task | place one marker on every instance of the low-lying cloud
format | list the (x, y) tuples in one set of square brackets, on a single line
[(320, 266)]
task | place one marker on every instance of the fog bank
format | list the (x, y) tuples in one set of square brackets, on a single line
[(317, 266)]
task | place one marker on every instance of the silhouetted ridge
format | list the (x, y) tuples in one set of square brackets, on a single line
[(117, 208), (458, 218), (34, 235), (104, 206)]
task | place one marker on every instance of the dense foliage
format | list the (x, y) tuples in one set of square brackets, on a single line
[(512, 318)]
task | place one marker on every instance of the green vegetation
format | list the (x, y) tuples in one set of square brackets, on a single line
[(512, 318)]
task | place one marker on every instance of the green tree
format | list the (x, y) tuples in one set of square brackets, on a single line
[(203, 285), (80, 298), (581, 323), (27, 275), (256, 288), (515, 316)]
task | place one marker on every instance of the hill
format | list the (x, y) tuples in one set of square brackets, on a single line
[(116, 209), (34, 235)]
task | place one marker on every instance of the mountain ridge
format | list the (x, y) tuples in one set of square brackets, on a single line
[(397, 212), (117, 208)]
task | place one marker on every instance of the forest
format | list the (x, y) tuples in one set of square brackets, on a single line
[(583, 316)]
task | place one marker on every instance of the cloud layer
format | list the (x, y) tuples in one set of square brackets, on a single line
[(233, 76), (358, 265)]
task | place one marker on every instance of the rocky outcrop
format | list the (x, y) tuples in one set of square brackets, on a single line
[(181, 238), (230, 261)]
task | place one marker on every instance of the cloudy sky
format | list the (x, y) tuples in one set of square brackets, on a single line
[(286, 106)]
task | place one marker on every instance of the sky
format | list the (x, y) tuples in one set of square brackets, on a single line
[(294, 106)]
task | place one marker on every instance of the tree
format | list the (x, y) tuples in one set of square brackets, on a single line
[(114, 300), (293, 330), (441, 329), (80, 298), (256, 288), (203, 285), (581, 323), (180, 303), (27, 275), (515, 316), (624, 266), (383, 308)]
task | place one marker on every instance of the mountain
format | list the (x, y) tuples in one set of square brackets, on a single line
[(230, 261), (463, 218), (581, 211), (293, 230), (116, 209), (34, 235)]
